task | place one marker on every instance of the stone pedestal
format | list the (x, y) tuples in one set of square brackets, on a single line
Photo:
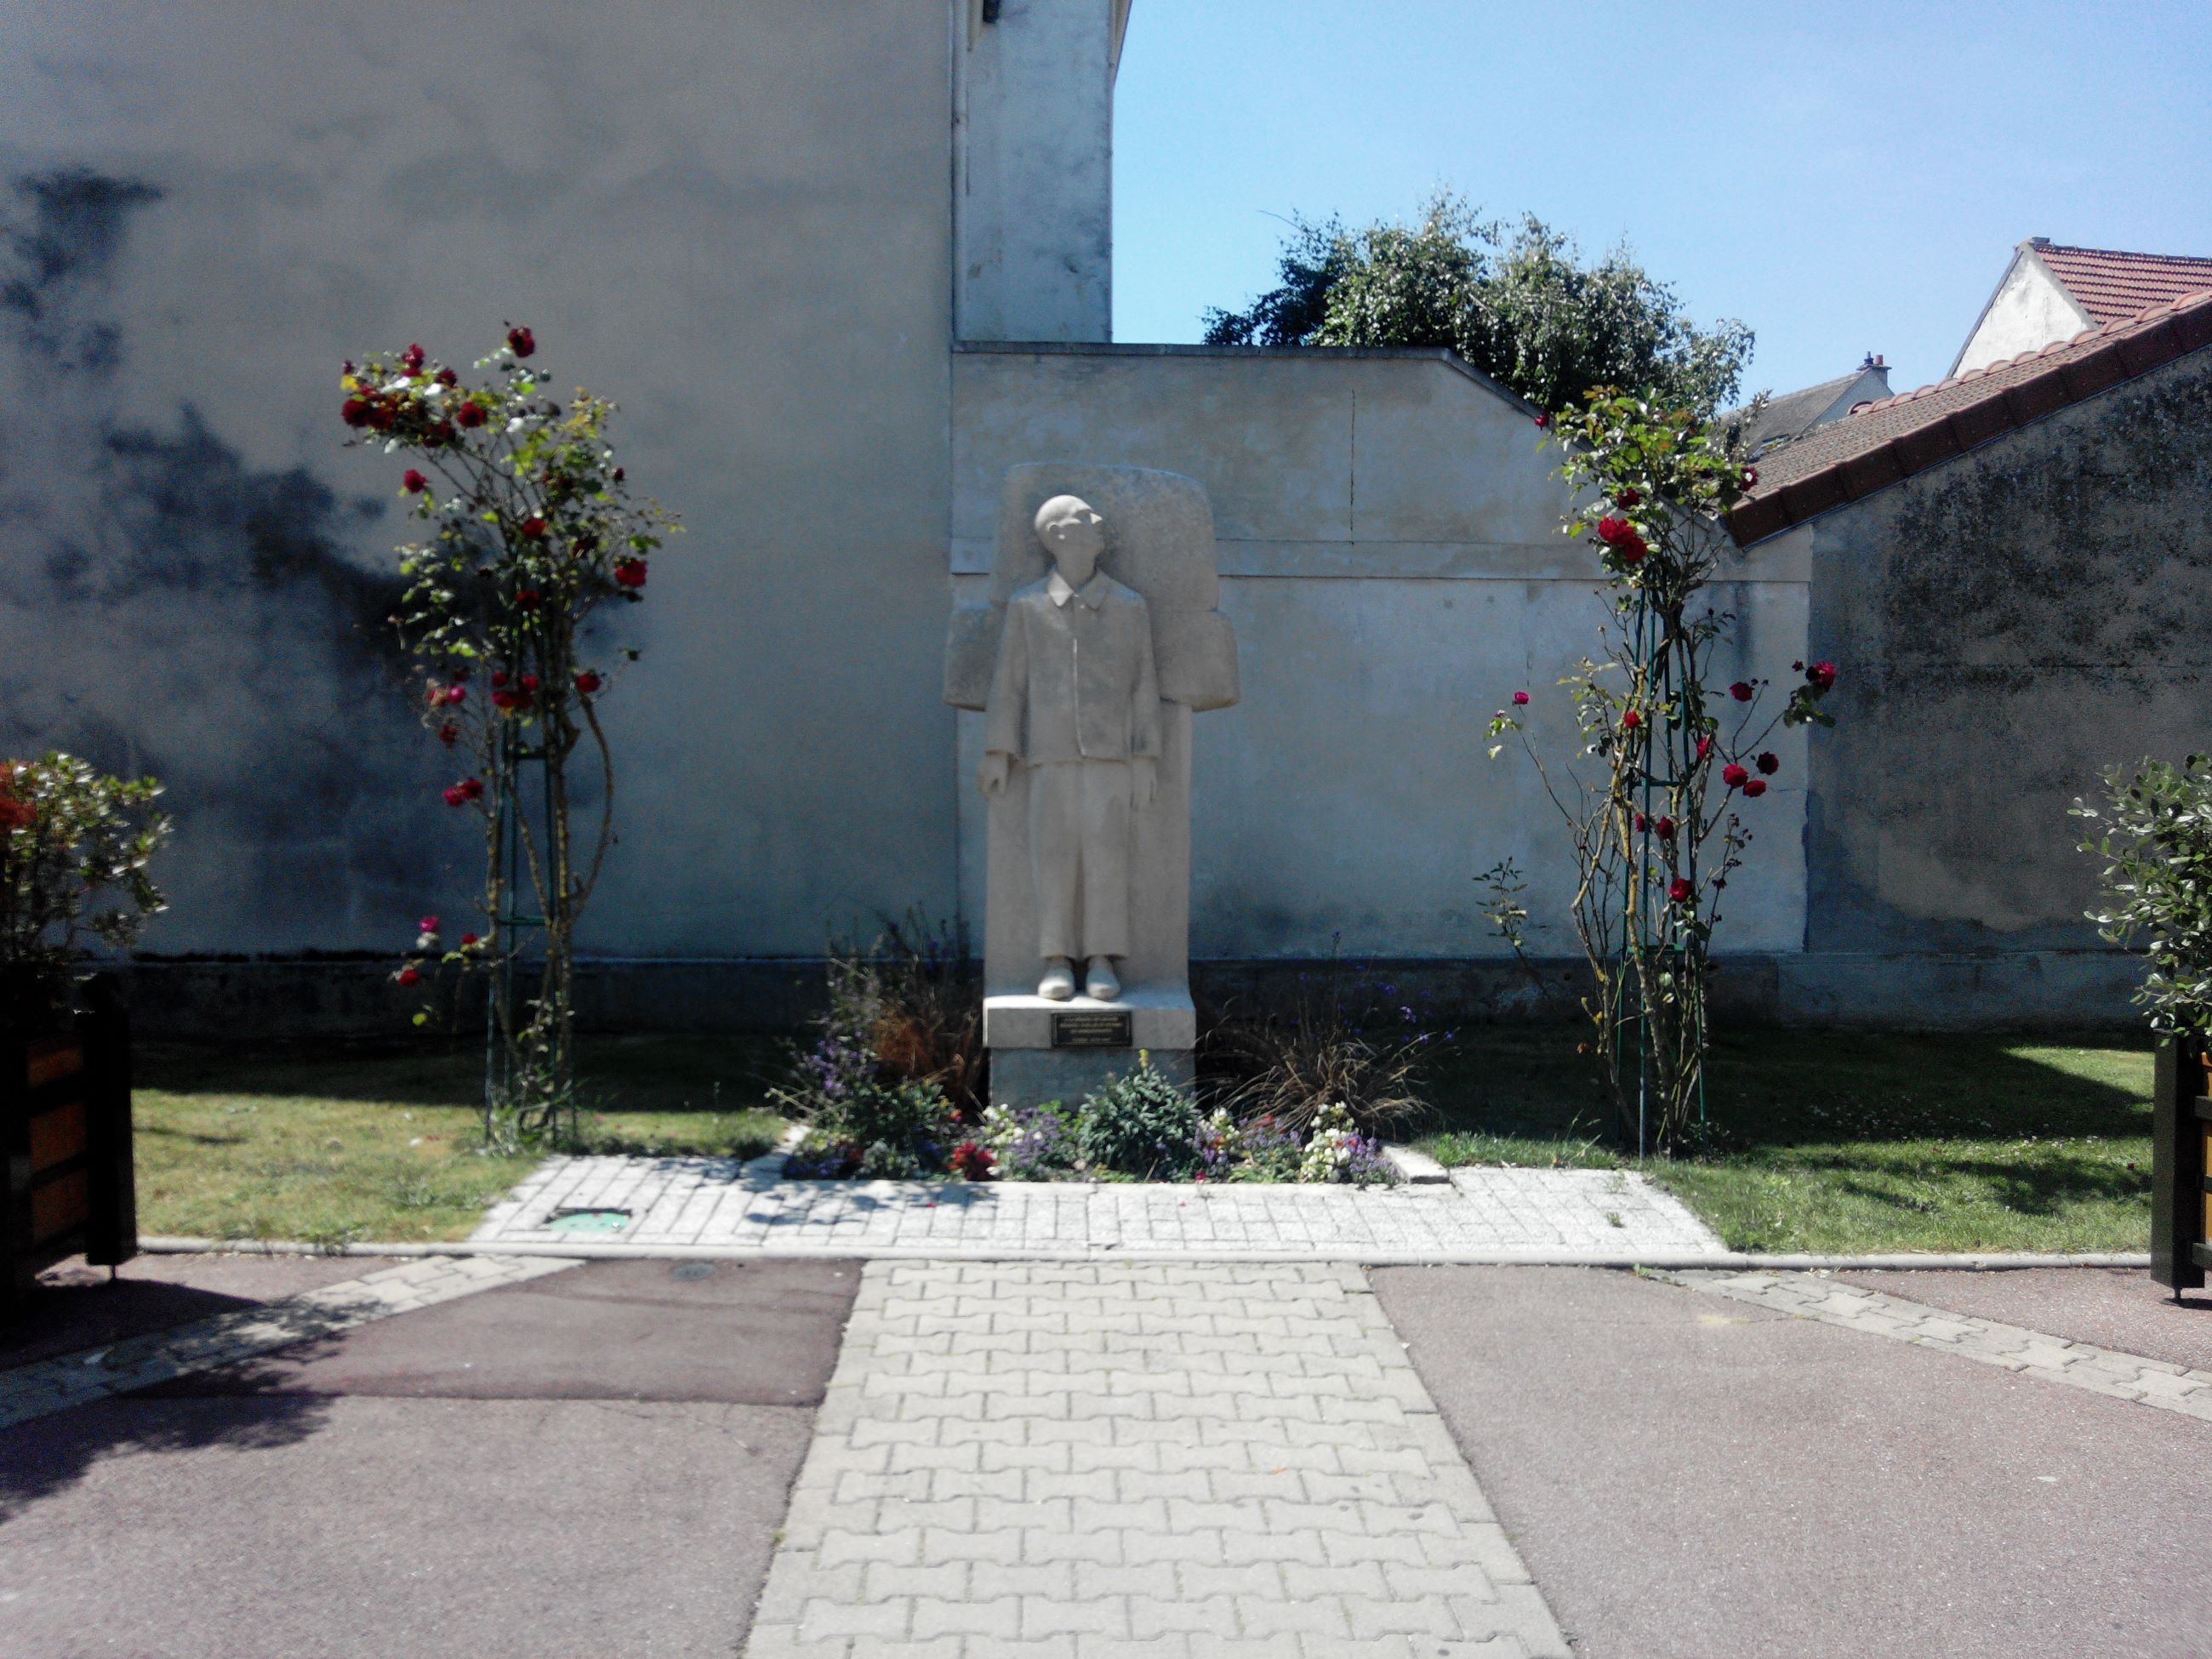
[(1044, 1050)]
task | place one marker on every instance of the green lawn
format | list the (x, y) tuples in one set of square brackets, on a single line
[(332, 1144), (1840, 1142)]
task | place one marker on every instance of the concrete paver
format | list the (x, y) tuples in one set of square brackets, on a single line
[(2110, 1307), (718, 1202), (1081, 1458)]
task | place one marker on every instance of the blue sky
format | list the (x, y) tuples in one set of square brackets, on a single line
[(1844, 178)]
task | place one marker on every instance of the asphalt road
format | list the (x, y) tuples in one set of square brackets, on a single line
[(591, 1464), (1692, 1478)]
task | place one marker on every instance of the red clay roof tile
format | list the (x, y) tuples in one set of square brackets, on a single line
[(2110, 285), (1878, 444)]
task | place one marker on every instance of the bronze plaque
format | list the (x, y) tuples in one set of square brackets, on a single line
[(1090, 1030)]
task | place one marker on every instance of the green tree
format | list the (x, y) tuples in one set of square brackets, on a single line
[(1520, 305)]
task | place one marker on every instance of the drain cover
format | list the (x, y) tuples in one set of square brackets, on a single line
[(692, 1270), (588, 1221)]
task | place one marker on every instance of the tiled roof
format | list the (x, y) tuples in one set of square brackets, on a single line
[(1790, 414), (2110, 285), (1885, 442)]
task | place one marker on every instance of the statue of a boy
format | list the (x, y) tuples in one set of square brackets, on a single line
[(1076, 698)]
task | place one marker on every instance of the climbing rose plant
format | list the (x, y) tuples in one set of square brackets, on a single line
[(526, 528), (1673, 767)]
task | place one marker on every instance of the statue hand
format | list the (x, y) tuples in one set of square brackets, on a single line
[(1144, 781), (990, 776)]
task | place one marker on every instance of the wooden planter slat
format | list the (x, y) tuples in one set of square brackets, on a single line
[(65, 1133), (2180, 1162)]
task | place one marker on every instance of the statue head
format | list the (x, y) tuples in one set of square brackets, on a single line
[(1074, 535)]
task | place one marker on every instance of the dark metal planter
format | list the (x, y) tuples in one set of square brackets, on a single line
[(66, 1131), (2181, 1180)]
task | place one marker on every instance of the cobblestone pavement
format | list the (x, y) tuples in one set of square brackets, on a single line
[(697, 1202), (2013, 1347), (1073, 1461), (74, 1379)]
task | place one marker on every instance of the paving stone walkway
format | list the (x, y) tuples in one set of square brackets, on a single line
[(1074, 1461), (719, 1203), (139, 1361), (2013, 1347)]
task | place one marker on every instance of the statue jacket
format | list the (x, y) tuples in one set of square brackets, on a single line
[(1075, 677)]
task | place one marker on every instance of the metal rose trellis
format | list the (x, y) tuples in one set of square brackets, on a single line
[(528, 526), (1654, 846)]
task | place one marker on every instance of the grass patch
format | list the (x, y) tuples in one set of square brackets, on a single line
[(383, 1143), (1847, 1141)]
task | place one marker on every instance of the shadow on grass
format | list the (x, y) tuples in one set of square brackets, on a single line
[(1773, 1090)]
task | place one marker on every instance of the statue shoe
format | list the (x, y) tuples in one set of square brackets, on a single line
[(1098, 980), (1058, 981)]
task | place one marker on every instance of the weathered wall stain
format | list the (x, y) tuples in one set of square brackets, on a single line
[(2009, 624), (165, 606)]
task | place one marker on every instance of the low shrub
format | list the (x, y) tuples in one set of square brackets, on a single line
[(1031, 1143), (1338, 1153), (1140, 1124)]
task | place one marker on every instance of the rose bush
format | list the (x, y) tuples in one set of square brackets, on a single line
[(527, 528), (75, 848)]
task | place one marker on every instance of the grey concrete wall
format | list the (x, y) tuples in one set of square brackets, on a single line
[(1391, 559), (2008, 625), (735, 220), (1033, 159)]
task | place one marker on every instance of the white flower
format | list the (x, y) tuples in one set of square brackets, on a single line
[(399, 385), (391, 447)]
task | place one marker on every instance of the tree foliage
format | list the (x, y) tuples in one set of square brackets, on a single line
[(2155, 834), (1518, 303)]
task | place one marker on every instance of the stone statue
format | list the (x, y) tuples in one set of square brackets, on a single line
[(1075, 696), (1096, 638)]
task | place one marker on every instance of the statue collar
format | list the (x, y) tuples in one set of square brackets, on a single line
[(1092, 593)]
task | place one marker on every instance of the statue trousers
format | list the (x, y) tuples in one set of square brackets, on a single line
[(1080, 836)]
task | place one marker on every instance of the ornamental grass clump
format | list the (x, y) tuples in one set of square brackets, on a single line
[(75, 848), (1659, 799), (2154, 834), (528, 528)]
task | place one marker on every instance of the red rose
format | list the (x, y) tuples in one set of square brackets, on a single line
[(1631, 720), (428, 925), (446, 377), (1627, 498), (380, 415), (1542, 420), (1665, 826), (1742, 691), (533, 527), (1613, 532), (618, 474), (1705, 747), (411, 359), (354, 411), (587, 681), (631, 573), (1770, 762), (499, 677), (1750, 476), (1642, 822), (1755, 788), (530, 682), (455, 693), (413, 481), (467, 939), (521, 342), (526, 599), (1679, 890), (1821, 674), (1632, 551), (409, 975), (1520, 699), (449, 734), (471, 412), (1734, 775), (471, 788), (455, 794), (971, 1161), (16, 814)]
